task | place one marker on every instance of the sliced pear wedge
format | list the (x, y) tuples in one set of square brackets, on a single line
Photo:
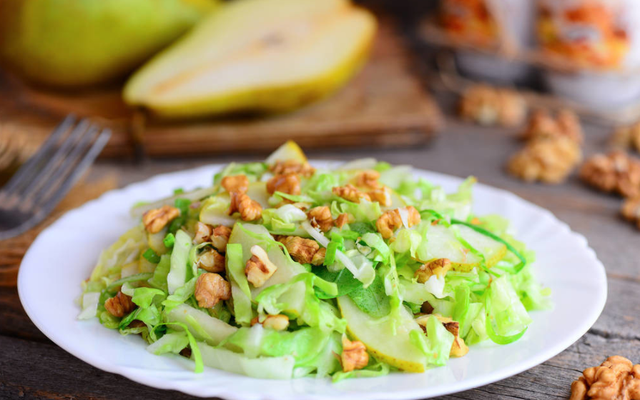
[(442, 243), (288, 151), (256, 55), (396, 350)]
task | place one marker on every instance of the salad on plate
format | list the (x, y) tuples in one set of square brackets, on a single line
[(281, 270)]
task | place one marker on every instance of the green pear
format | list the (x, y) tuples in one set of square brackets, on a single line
[(71, 43), (256, 55)]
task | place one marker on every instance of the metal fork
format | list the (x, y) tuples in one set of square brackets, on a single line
[(44, 180)]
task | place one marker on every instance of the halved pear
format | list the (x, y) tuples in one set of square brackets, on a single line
[(288, 151), (256, 55), (442, 243), (396, 350)]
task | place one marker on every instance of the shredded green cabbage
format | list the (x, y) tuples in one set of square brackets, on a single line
[(487, 288)]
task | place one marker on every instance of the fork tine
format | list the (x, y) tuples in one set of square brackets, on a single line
[(30, 167), (46, 205), (53, 196), (62, 170), (49, 171)]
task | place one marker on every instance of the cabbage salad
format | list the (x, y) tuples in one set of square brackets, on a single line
[(280, 270)]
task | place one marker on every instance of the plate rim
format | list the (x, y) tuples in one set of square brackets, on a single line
[(144, 378)]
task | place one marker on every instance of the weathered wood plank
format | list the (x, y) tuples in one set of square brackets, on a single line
[(37, 370)]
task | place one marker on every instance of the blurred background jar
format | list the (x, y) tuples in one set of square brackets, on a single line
[(598, 40), (503, 25)]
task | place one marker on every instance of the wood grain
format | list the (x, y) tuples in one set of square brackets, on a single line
[(383, 106), (33, 367)]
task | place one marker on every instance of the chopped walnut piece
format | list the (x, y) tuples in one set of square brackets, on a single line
[(321, 218), (438, 267), (305, 251), (367, 179), (235, 183), (119, 305), (292, 167), (616, 172), (155, 220), (543, 126), (627, 137), (381, 195), (546, 160), (259, 268), (211, 261), (391, 220), (487, 105), (210, 289), (220, 237), (350, 193), (631, 210), (319, 256), (286, 183), (202, 233), (278, 322), (458, 347), (615, 379), (344, 219), (354, 355), (250, 210)]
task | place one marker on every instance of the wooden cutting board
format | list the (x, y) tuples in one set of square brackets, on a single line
[(385, 105)]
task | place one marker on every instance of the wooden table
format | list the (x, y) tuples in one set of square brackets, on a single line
[(32, 367)]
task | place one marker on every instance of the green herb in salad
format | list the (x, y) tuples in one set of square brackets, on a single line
[(280, 270)]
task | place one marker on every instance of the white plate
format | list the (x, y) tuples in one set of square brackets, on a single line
[(65, 253)]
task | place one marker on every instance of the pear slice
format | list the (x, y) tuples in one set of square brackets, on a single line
[(256, 55), (396, 350), (442, 243), (288, 151)]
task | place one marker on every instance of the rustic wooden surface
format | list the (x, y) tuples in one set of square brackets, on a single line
[(383, 105), (32, 367)]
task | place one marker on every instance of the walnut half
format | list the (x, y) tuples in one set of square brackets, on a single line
[(613, 172), (155, 220), (211, 261), (354, 355), (235, 183), (391, 220), (305, 251), (615, 379), (210, 289), (250, 210), (287, 183), (321, 218), (487, 105), (546, 160), (119, 305)]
